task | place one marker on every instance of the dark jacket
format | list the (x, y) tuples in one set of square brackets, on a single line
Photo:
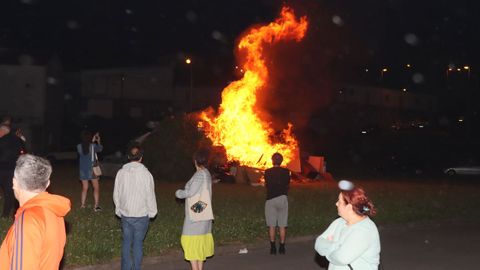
[(10, 147)]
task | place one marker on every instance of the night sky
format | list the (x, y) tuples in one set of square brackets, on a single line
[(344, 38)]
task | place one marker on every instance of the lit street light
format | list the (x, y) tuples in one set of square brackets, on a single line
[(467, 68), (448, 72), (383, 71), (188, 61)]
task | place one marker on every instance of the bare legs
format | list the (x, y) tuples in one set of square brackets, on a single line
[(282, 232), (196, 265), (96, 191), (271, 233), (84, 192)]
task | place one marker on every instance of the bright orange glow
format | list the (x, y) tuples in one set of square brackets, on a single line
[(188, 61), (238, 126)]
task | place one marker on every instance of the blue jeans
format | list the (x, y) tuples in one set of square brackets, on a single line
[(134, 230)]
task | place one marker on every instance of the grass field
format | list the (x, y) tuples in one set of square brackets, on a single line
[(96, 237)]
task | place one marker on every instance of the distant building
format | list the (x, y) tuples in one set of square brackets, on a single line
[(141, 93), (33, 95), (396, 99), (382, 107)]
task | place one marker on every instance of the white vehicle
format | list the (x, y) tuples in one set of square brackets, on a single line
[(464, 170)]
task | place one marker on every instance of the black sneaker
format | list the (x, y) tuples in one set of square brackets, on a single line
[(273, 248), (281, 249), (97, 209)]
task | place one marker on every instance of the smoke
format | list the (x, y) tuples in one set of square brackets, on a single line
[(302, 74), (297, 86)]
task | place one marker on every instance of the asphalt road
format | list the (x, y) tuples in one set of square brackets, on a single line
[(442, 245)]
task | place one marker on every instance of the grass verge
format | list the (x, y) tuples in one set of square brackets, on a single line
[(95, 237)]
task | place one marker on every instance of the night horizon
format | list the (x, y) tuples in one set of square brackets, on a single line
[(346, 39)]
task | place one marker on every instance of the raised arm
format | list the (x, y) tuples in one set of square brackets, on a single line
[(193, 187)]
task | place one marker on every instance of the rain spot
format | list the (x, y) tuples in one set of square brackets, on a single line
[(25, 60), (191, 16), (52, 80), (337, 20), (128, 11), (218, 36), (72, 24), (411, 39), (27, 2), (418, 78)]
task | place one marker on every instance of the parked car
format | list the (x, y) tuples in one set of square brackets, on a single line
[(464, 170)]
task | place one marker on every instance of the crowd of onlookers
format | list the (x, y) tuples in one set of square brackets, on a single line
[(37, 238)]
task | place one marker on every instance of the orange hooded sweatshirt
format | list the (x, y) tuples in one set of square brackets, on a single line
[(37, 238)]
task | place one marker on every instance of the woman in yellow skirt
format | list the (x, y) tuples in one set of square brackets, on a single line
[(197, 239)]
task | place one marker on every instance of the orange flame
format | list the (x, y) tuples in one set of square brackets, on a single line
[(238, 127)]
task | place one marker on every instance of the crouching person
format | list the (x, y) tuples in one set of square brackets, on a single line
[(37, 238)]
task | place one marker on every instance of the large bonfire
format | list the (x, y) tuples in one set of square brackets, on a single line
[(238, 126)]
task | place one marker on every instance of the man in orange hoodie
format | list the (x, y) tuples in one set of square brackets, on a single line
[(37, 238)]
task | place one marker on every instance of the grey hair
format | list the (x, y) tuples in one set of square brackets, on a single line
[(33, 173)]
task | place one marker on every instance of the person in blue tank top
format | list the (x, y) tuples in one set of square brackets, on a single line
[(87, 156)]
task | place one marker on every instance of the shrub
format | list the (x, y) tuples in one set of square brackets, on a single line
[(170, 147)]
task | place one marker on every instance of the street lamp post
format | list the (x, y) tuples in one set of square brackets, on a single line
[(382, 71), (467, 68), (188, 61), (448, 72)]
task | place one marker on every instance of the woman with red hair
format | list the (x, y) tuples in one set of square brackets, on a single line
[(351, 241)]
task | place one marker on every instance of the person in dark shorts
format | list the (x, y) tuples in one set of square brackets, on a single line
[(277, 180)]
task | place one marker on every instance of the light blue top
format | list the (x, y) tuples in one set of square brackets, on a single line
[(357, 245), (86, 160)]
